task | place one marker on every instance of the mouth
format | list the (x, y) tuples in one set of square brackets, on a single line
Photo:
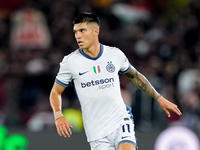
[(80, 43)]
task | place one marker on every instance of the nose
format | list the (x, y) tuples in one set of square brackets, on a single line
[(77, 35)]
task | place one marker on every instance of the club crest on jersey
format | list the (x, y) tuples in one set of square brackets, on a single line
[(96, 69), (110, 67)]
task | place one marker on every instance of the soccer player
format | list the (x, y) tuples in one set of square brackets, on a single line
[(94, 69)]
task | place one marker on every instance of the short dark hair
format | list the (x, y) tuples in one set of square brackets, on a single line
[(87, 17)]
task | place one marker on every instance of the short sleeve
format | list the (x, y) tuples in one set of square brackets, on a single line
[(125, 65), (64, 75)]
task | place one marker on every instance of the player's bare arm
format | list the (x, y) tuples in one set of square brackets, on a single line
[(62, 125), (139, 80)]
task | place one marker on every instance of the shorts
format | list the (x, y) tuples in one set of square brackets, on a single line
[(124, 134)]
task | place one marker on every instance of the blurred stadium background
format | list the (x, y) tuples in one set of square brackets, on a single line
[(160, 38)]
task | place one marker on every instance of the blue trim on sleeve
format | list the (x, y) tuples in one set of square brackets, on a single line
[(61, 83), (128, 141), (122, 72), (87, 56)]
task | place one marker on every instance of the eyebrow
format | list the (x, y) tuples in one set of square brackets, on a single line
[(79, 29)]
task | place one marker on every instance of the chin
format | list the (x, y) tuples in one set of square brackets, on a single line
[(83, 47)]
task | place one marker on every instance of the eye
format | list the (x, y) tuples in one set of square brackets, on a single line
[(82, 30)]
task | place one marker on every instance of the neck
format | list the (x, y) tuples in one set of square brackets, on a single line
[(93, 51)]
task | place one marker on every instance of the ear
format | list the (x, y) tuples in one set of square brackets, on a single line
[(96, 31)]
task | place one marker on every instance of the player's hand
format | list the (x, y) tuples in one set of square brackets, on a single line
[(63, 127), (167, 105)]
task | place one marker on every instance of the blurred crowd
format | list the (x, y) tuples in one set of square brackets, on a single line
[(160, 39)]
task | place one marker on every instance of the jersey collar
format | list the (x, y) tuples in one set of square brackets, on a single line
[(89, 57)]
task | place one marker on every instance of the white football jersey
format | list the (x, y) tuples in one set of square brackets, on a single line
[(97, 86)]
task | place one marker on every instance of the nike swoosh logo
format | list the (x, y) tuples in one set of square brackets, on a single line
[(81, 73), (125, 137)]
